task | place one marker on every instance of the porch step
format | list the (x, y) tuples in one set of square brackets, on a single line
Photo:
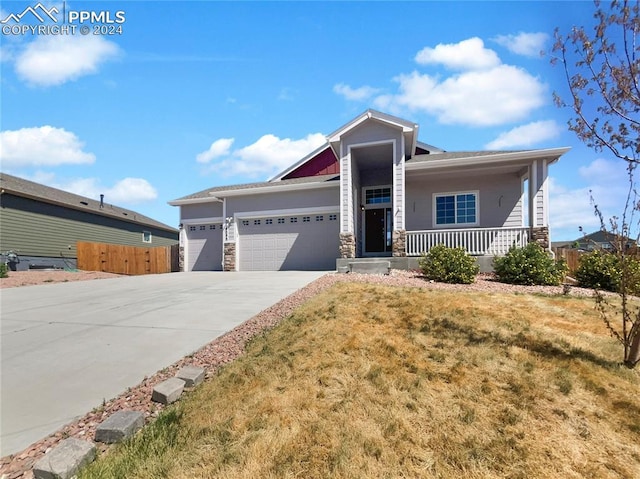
[(370, 267)]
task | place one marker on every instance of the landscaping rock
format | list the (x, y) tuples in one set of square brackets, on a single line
[(119, 426), (168, 391), (191, 375), (65, 460)]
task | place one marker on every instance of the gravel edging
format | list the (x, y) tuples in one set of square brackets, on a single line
[(229, 347)]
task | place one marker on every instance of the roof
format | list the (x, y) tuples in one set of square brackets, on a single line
[(36, 191), (213, 194)]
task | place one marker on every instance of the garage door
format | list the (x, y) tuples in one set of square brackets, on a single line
[(309, 242), (204, 249)]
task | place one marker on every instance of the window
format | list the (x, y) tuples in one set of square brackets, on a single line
[(306, 219), (192, 228), (146, 236), (456, 209), (293, 220), (280, 221), (333, 217), (374, 196), (245, 222), (212, 227), (256, 222), (269, 221), (319, 218), (203, 227)]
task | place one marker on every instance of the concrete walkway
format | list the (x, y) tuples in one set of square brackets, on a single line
[(65, 347)]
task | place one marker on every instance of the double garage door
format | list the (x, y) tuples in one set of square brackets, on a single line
[(304, 242), (204, 251)]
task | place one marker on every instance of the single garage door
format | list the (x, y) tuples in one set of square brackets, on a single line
[(204, 249), (306, 242)]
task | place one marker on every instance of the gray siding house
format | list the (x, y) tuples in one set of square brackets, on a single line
[(42, 224), (372, 190)]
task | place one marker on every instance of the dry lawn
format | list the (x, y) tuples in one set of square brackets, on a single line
[(374, 381)]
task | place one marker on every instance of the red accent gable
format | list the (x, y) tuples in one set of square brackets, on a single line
[(324, 163)]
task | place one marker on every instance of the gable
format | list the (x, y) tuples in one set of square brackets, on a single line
[(324, 163)]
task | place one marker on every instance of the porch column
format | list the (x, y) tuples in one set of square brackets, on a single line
[(539, 204), (540, 235), (399, 243), (347, 208), (229, 240), (183, 240)]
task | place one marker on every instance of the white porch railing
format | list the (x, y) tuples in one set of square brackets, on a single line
[(477, 241)]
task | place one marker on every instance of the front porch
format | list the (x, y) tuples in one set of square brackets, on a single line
[(482, 243)]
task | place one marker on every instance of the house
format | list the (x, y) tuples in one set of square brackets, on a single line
[(372, 190), (42, 224), (600, 240)]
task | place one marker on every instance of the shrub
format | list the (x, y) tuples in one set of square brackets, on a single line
[(530, 265), (600, 270), (449, 265), (3, 271), (603, 270)]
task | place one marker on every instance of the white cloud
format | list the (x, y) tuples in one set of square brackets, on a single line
[(605, 171), (217, 149), (124, 191), (526, 135), (41, 146), (604, 180), (56, 59), (266, 156), (468, 54), (527, 44), (131, 190), (499, 95), (485, 92), (355, 94)]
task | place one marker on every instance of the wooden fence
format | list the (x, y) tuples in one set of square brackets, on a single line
[(131, 260), (571, 257)]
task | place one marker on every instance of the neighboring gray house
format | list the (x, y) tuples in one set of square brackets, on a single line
[(599, 240), (372, 190), (42, 224)]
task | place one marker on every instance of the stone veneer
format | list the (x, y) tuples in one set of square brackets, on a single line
[(181, 258), (229, 257), (347, 245), (540, 235), (399, 243)]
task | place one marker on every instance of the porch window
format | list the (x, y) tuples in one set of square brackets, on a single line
[(456, 208), (375, 196)]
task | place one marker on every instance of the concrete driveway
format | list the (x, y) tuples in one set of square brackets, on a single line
[(65, 347)]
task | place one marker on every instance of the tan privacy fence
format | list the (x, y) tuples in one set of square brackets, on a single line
[(132, 260)]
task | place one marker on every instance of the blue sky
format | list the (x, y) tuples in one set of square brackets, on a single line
[(193, 94)]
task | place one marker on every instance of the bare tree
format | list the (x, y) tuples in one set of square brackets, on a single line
[(602, 70)]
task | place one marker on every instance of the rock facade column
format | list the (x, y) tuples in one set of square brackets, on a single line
[(399, 243), (540, 235), (229, 257), (347, 245), (181, 258)]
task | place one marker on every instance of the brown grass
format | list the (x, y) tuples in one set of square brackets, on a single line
[(374, 381)]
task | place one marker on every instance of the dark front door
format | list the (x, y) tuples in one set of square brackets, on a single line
[(377, 225)]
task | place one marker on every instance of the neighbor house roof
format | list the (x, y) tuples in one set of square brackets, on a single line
[(28, 189)]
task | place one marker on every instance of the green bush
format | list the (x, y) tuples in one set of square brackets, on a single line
[(600, 270), (3, 271), (448, 265), (603, 270), (530, 265)]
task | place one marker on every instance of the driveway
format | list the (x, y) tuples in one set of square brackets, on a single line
[(66, 347)]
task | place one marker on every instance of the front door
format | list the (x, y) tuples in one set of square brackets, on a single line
[(378, 227)]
